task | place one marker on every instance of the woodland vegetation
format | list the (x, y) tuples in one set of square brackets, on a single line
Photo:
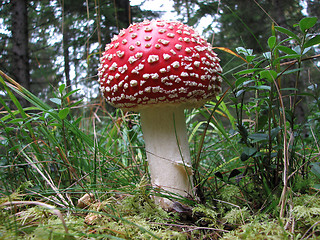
[(73, 167)]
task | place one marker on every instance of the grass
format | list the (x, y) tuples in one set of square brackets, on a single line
[(77, 170)]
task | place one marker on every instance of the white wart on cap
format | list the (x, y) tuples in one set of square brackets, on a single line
[(159, 62)]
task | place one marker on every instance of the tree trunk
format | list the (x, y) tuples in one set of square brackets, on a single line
[(278, 12), (20, 59), (123, 13), (65, 45), (65, 40)]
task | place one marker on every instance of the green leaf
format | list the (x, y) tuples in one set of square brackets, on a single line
[(243, 131), (259, 63), (70, 93), (77, 121), (195, 129), (272, 42), (289, 56), (247, 71), (63, 113), (286, 49), (219, 175), (315, 168), (250, 58), (313, 41), (288, 89), (55, 124), (267, 55), (249, 151), (248, 82), (262, 120), (9, 129), (16, 120), (234, 173), (56, 100), (287, 32), (292, 71), (274, 132), (306, 50), (313, 87), (270, 75), (307, 23), (233, 99), (307, 94), (240, 92), (258, 137), (244, 157), (76, 103), (262, 87), (61, 88), (240, 80), (242, 50)]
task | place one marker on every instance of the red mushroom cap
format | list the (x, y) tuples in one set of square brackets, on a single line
[(159, 62)]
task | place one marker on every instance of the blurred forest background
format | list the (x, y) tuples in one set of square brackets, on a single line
[(47, 42)]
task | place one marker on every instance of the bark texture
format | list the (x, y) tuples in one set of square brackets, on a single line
[(123, 13), (20, 59)]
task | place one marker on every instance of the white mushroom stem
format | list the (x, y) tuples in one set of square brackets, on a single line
[(168, 154)]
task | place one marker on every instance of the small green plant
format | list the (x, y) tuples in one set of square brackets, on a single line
[(266, 107), (49, 147)]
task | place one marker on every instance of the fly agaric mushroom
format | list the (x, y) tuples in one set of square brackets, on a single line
[(159, 68)]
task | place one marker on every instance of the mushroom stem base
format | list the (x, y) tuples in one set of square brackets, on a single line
[(168, 154)]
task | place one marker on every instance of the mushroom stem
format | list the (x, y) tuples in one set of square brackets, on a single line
[(168, 154)]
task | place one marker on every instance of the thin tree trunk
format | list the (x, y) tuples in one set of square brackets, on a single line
[(65, 45), (20, 59), (123, 13), (278, 12), (65, 40)]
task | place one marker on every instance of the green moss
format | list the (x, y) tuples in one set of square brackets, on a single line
[(136, 216), (207, 215), (53, 229), (306, 211), (265, 230), (133, 217), (238, 216), (230, 193), (305, 215), (141, 204), (16, 195), (307, 200)]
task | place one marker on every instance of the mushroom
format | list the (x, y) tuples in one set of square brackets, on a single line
[(159, 68)]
